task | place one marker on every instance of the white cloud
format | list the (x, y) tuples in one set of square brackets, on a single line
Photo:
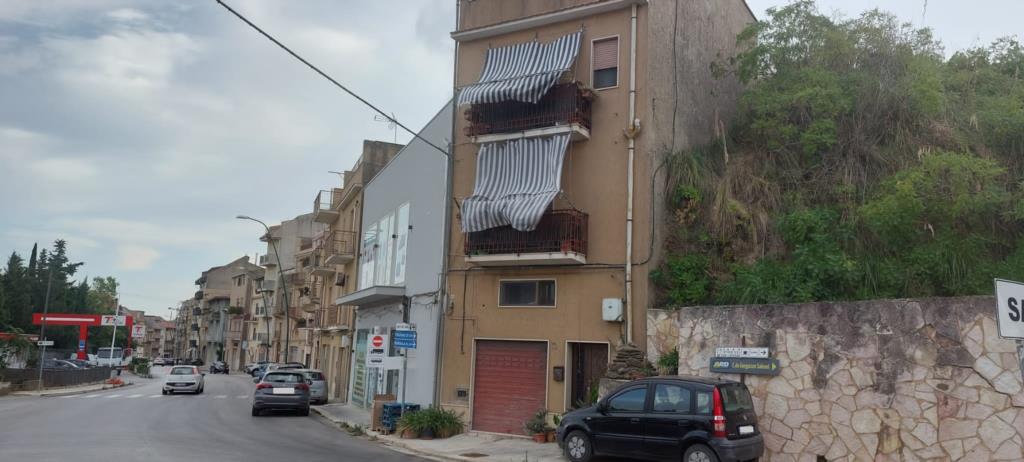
[(63, 170), (135, 257), (341, 44), (128, 15)]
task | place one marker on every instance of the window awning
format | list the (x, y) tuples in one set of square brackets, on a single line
[(515, 182), (522, 72)]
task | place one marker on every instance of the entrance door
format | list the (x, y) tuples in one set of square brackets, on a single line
[(588, 363), (510, 384), (360, 397)]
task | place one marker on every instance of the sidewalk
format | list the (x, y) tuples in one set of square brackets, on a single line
[(465, 447), (61, 391)]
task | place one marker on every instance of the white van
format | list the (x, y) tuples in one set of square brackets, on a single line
[(110, 357)]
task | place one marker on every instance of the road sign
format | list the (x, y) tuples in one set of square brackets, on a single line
[(111, 320), (377, 350), (738, 352), (45, 343), (139, 331), (405, 339), (1010, 308), (81, 345), (757, 366)]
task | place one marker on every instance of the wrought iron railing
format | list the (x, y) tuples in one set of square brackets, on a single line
[(563, 105), (558, 231)]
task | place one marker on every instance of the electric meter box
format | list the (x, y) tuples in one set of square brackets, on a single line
[(611, 309)]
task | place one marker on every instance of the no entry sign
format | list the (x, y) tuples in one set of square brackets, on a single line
[(377, 351), (377, 341)]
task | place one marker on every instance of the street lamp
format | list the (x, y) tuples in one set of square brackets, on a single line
[(280, 276)]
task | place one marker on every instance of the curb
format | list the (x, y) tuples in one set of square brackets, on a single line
[(69, 393)]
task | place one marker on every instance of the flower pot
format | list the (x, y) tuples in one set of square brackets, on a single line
[(551, 436), (427, 434), (540, 437), (409, 434)]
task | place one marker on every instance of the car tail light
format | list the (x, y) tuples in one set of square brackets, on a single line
[(717, 415), (302, 386), (264, 385)]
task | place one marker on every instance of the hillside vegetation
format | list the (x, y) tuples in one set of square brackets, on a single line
[(863, 164)]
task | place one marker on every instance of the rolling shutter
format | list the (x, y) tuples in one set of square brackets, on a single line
[(509, 385), (606, 54)]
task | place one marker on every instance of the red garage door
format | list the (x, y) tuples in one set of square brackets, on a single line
[(510, 384)]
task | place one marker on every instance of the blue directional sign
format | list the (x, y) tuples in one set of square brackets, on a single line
[(81, 345), (404, 338)]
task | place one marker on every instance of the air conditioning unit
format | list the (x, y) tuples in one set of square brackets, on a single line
[(611, 309), (340, 278)]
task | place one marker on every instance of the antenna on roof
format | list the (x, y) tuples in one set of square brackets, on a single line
[(392, 125)]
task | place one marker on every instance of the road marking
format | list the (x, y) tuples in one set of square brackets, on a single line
[(221, 396), (91, 396), (134, 396), (242, 396), (70, 396), (154, 396), (118, 395)]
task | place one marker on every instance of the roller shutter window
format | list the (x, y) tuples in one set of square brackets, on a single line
[(605, 62)]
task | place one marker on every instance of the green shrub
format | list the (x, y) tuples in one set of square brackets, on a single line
[(670, 360)]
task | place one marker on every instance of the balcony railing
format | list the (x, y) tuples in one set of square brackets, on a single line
[(560, 238), (563, 105), (310, 298), (337, 247), (199, 295), (325, 205)]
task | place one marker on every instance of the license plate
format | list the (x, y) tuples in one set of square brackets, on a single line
[(746, 429), (284, 391)]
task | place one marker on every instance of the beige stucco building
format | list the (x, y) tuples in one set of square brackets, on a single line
[(539, 303)]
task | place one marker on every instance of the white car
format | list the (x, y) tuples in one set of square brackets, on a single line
[(184, 378), (159, 361)]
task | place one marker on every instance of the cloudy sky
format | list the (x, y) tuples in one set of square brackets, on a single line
[(137, 129)]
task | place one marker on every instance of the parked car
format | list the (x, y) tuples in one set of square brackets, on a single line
[(281, 390), (259, 370), (317, 385), (59, 364), (184, 378), (195, 362), (280, 366), (82, 364), (159, 362), (219, 367), (665, 418), (253, 366)]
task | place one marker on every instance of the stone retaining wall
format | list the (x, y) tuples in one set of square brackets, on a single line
[(908, 380)]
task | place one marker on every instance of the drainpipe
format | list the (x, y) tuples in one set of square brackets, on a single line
[(631, 132), (442, 296)]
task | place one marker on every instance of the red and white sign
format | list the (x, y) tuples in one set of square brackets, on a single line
[(139, 331), (111, 320), (377, 351), (377, 341)]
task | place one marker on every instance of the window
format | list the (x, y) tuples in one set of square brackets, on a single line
[(735, 398), (671, 398), (629, 401), (604, 60), (704, 403), (527, 293)]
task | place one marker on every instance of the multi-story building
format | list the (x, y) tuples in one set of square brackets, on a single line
[(333, 268), (243, 294), (167, 338), (566, 110), (286, 242), (215, 308), (399, 267)]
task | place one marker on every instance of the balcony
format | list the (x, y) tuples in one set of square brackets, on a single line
[(309, 300), (560, 239), (564, 109), (195, 327), (197, 311), (199, 295), (325, 206), (268, 285), (305, 248), (292, 312), (267, 261), (338, 247), (336, 318)]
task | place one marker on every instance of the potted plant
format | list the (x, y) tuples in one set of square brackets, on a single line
[(551, 431), (537, 426), (448, 423), (410, 425)]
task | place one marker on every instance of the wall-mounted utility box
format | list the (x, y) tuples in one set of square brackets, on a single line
[(611, 309)]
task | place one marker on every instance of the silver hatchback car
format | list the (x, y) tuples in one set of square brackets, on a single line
[(317, 385), (281, 390)]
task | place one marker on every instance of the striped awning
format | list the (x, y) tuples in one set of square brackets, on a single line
[(522, 72), (515, 183)]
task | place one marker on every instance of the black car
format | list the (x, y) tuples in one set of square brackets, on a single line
[(219, 367), (195, 362), (666, 418)]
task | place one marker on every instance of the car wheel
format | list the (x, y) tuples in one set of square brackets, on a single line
[(163, 391), (700, 453), (578, 447), (255, 412), (304, 412)]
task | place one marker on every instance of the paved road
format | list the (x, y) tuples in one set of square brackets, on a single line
[(138, 423)]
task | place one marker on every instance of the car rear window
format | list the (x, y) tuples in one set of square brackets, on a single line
[(314, 376), (283, 378), (181, 371), (736, 398)]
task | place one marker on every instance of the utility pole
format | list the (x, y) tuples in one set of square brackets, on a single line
[(42, 331)]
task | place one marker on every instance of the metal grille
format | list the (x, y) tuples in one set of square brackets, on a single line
[(558, 231), (562, 105)]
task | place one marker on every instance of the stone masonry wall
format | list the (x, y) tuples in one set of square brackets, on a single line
[(882, 380)]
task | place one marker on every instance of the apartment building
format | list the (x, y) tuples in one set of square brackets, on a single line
[(240, 313), (289, 246), (215, 309), (399, 268), (333, 269), (565, 111)]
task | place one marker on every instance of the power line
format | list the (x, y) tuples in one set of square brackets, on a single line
[(331, 79)]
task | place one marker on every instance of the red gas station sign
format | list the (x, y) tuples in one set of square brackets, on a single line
[(83, 321)]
